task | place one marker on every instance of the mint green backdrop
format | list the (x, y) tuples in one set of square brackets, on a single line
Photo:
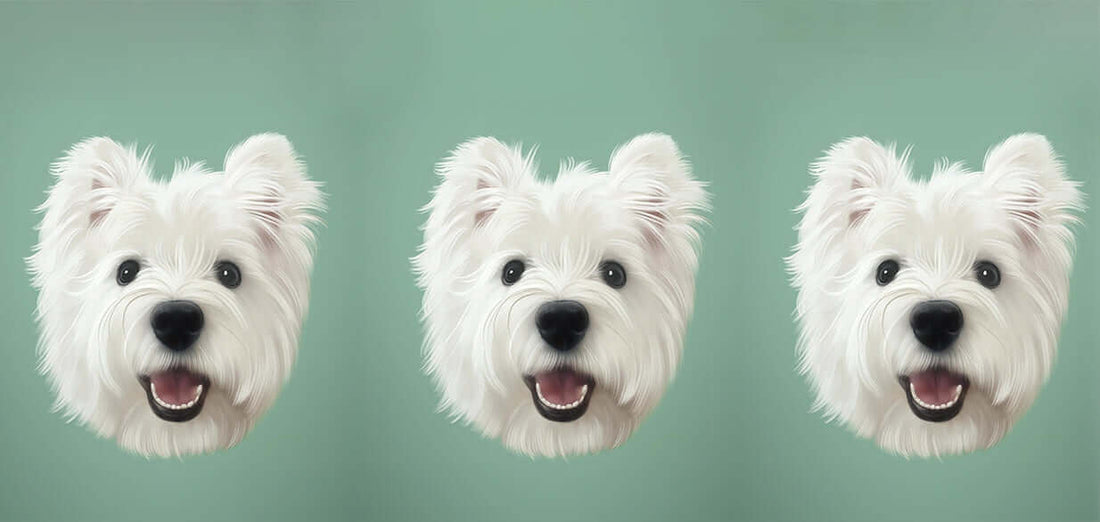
[(372, 94)]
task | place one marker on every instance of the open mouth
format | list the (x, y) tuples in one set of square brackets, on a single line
[(935, 394), (561, 395), (176, 394)]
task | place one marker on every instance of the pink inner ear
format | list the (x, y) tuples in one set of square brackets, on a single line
[(654, 218), (266, 210), (481, 216), (652, 234), (97, 215), (1023, 210), (856, 216)]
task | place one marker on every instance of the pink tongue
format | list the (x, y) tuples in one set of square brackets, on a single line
[(561, 387), (176, 387), (935, 387)]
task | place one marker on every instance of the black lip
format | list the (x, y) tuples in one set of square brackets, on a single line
[(174, 415), (560, 415), (925, 414)]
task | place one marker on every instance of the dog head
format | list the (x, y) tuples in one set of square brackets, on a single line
[(170, 310), (930, 310), (555, 311)]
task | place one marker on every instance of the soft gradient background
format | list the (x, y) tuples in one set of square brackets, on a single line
[(372, 94)]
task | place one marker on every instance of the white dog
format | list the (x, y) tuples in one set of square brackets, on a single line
[(930, 310), (556, 311), (170, 310)]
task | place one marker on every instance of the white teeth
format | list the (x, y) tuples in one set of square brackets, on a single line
[(944, 406), (548, 404), (153, 388)]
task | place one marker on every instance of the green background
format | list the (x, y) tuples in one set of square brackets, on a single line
[(373, 94)]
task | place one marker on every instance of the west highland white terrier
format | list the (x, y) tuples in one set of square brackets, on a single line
[(930, 310), (170, 310), (555, 311)]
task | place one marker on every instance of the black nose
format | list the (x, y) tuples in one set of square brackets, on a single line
[(177, 324), (562, 324), (936, 324)]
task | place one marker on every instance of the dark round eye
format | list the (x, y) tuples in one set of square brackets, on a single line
[(127, 272), (513, 270), (613, 274), (887, 271), (228, 274), (988, 274)]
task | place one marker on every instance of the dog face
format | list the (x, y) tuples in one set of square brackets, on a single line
[(170, 311), (555, 312), (930, 310)]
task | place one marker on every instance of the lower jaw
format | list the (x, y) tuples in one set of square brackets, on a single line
[(569, 415), (177, 415)]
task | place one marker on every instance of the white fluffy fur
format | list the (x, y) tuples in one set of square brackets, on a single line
[(96, 337), (490, 208), (855, 335)]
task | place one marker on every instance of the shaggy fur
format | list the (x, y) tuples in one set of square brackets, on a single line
[(856, 339), (96, 336), (482, 340)]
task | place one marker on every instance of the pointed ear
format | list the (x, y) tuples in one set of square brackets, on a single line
[(658, 187), (270, 183), (1028, 182), (92, 178), (852, 177), (476, 178)]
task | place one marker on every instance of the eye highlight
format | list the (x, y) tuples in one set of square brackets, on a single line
[(228, 274), (987, 274), (886, 272), (127, 272), (613, 274), (513, 270)]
